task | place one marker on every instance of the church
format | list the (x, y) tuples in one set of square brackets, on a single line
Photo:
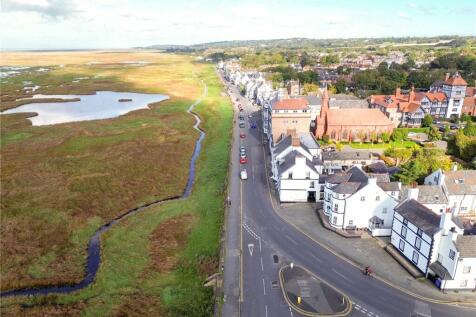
[(350, 124)]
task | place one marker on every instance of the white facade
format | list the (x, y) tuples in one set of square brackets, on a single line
[(455, 95), (458, 187), (298, 182), (349, 209)]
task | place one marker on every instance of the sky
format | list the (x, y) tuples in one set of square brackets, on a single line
[(97, 24)]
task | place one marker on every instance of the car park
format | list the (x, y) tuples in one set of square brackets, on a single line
[(243, 174)]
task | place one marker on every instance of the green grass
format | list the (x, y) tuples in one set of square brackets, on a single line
[(12, 137), (125, 275)]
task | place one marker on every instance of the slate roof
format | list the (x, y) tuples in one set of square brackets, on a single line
[(377, 167), (338, 178), (347, 188), (308, 140), (290, 161), (381, 177), (466, 246), (347, 155), (283, 144), (389, 186), (419, 215), (456, 187), (428, 194), (313, 100)]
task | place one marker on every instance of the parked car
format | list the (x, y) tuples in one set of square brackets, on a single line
[(242, 124), (241, 109), (253, 125), (242, 155), (242, 135), (243, 160), (241, 117), (243, 174), (454, 127), (242, 149)]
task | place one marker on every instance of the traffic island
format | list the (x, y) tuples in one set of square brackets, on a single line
[(310, 296)]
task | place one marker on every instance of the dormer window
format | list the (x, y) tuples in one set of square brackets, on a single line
[(459, 181)]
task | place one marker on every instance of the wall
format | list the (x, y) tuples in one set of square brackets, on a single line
[(282, 122), (409, 240), (460, 276)]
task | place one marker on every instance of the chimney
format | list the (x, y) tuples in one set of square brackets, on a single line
[(300, 160), (296, 142), (397, 92), (411, 96), (372, 180), (291, 132), (445, 222), (413, 193), (447, 76), (454, 168)]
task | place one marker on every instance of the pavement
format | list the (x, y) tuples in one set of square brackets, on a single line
[(365, 251), (266, 242)]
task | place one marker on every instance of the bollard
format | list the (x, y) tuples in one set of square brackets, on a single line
[(299, 300)]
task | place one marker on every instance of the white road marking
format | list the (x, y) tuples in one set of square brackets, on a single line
[(262, 268), (266, 310), (264, 288), (250, 248), (260, 245), (315, 258), (340, 274), (290, 310), (291, 239)]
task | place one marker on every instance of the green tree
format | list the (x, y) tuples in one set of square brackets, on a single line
[(427, 121), (385, 137), (434, 134), (470, 128), (341, 86)]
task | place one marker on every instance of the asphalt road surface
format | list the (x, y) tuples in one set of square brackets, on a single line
[(267, 243)]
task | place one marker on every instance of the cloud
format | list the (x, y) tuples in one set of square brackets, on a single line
[(412, 5), (50, 9), (403, 15)]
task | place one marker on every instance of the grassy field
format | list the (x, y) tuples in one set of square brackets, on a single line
[(74, 177)]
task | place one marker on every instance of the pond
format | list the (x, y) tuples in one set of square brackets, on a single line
[(102, 105)]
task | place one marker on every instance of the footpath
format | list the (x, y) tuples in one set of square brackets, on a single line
[(366, 251)]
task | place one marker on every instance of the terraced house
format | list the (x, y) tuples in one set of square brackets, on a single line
[(357, 200), (438, 245)]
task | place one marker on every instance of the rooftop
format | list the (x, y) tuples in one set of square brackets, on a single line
[(461, 182), (428, 194), (347, 155), (419, 215), (456, 80), (466, 246), (291, 104), (357, 117)]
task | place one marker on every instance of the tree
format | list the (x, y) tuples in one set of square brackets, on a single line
[(341, 86), (310, 88), (325, 138), (469, 129), (361, 135), (427, 121), (385, 137), (434, 134)]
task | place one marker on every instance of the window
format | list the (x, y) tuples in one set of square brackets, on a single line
[(466, 269), (415, 257), (334, 220), (393, 193), (362, 198), (417, 243), (336, 207), (384, 210), (401, 245), (405, 222), (351, 222), (404, 232), (377, 198), (463, 283), (420, 233), (290, 175), (463, 209), (452, 255)]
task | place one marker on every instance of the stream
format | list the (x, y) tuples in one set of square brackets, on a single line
[(94, 245)]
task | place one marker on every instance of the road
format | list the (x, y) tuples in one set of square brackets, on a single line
[(265, 235)]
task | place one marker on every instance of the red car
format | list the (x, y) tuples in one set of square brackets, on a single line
[(242, 135), (241, 109), (243, 160)]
